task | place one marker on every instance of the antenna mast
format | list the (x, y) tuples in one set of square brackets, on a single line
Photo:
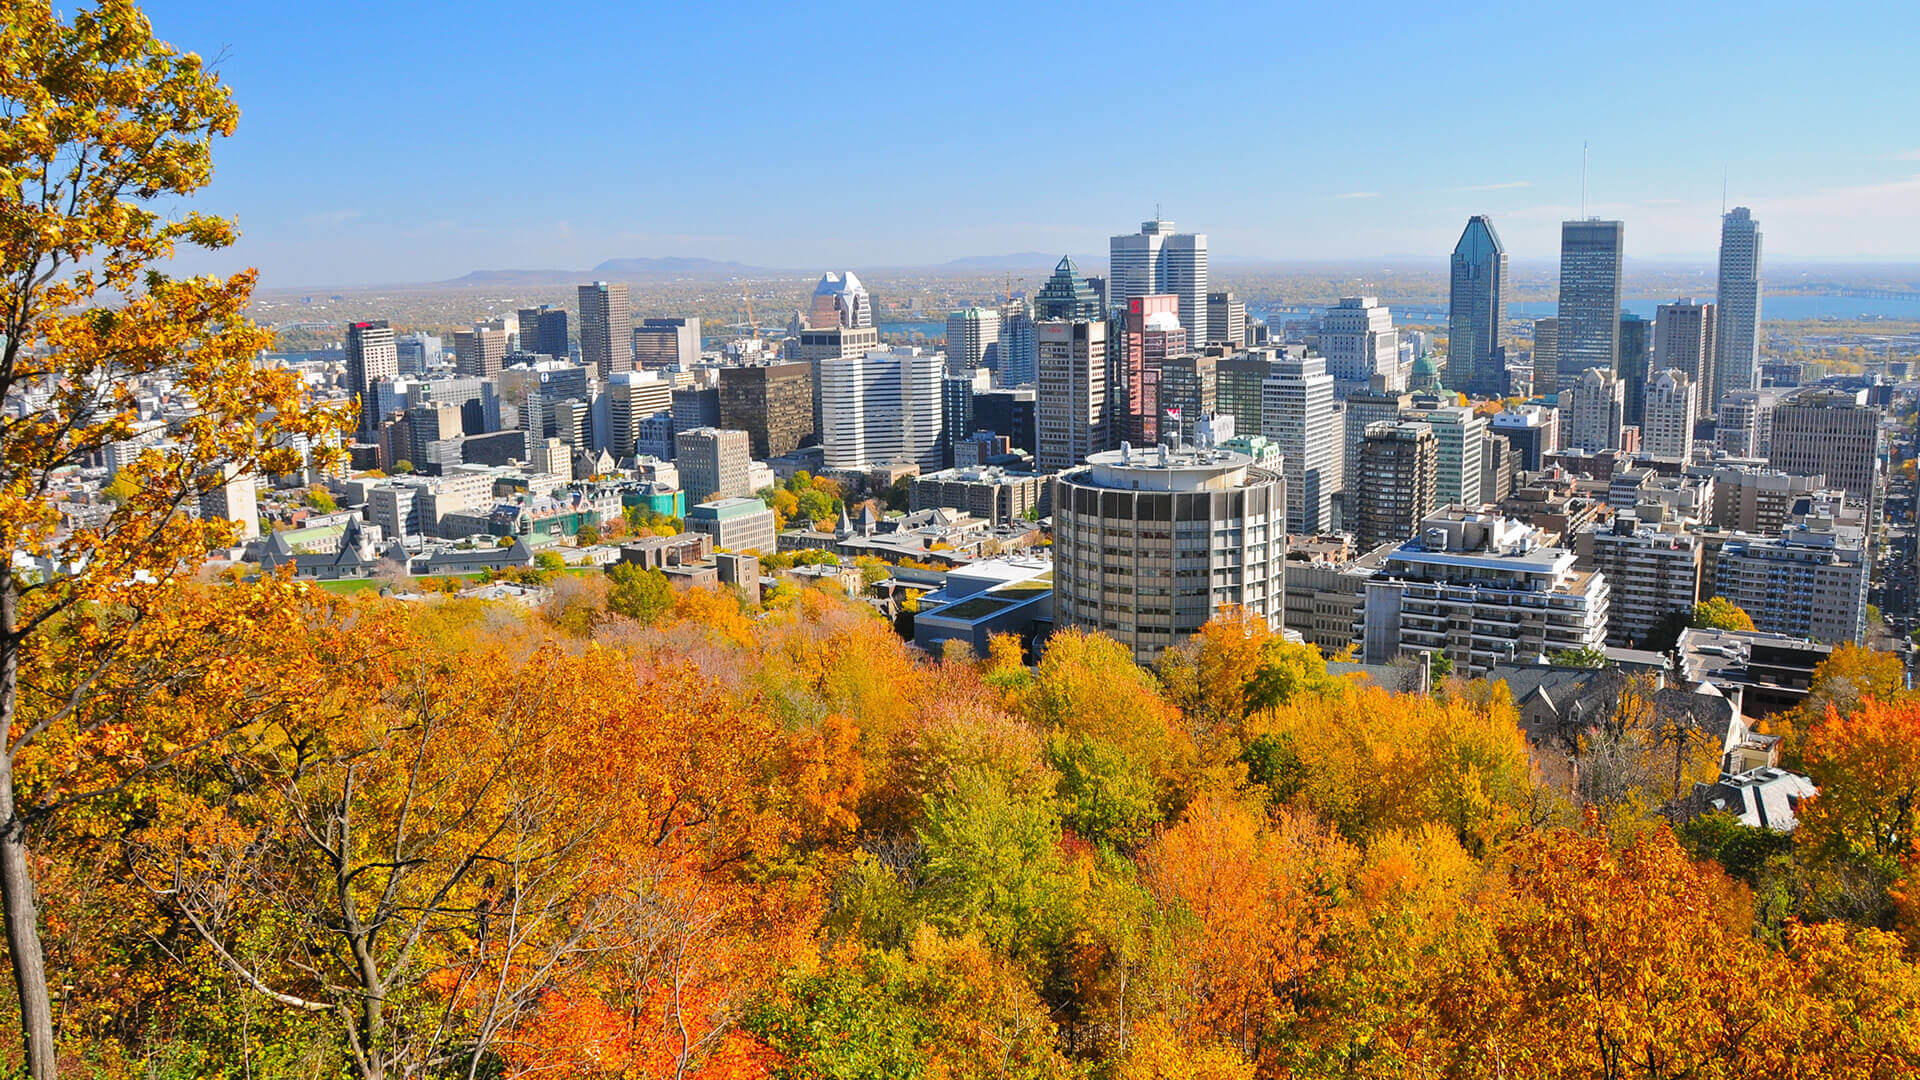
[(1583, 179)]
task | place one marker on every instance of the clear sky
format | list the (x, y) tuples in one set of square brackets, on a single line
[(405, 141)]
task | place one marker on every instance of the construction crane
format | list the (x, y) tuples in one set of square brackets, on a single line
[(752, 326)]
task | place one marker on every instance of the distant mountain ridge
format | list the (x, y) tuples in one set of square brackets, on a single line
[(634, 269)]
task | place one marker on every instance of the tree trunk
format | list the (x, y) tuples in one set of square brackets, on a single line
[(17, 894)]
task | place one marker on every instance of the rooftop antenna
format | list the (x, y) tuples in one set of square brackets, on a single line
[(1583, 178), (1723, 189)]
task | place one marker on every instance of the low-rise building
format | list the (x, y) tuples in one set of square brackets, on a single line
[(741, 524)]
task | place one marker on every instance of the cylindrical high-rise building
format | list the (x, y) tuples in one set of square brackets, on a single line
[(1150, 543)]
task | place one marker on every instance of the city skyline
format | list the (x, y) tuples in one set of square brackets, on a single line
[(329, 188)]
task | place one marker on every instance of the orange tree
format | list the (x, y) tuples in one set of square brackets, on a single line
[(102, 128)]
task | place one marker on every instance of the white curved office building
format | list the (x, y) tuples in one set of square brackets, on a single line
[(1148, 544)]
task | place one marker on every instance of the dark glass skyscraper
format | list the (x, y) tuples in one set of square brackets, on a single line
[(1590, 259), (1066, 295), (1477, 311), (1636, 345)]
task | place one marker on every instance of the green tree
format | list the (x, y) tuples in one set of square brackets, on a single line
[(402, 467), (588, 535), (639, 593), (1586, 656)]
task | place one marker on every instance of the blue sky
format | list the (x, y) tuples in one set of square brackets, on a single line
[(415, 141)]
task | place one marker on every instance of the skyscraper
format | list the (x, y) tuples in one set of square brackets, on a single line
[(1300, 414), (973, 339), (670, 343), (1067, 295), (772, 403), (1590, 260), (1019, 351), (840, 300), (1158, 260), (1226, 319), (1359, 342), (479, 352), (1592, 410), (1683, 339), (1737, 346), (543, 330), (1546, 356), (882, 408), (1636, 349), (606, 327), (1666, 424), (1072, 399), (371, 357), (634, 396), (1394, 481), (1477, 311), (1150, 332)]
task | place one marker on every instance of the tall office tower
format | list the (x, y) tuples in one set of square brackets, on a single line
[(1546, 356), (1736, 363), (1533, 431), (1744, 424), (1651, 572), (1364, 409), (1590, 264), (1128, 525), (632, 397), (957, 389), (1299, 413), (1358, 339), (479, 352), (1394, 475), (1189, 391), (772, 403), (571, 421), (1242, 387), (1459, 440), (1149, 333), (371, 357), (1592, 411), (1636, 351), (973, 339), (1019, 350), (543, 330), (606, 327), (696, 406), (1226, 319), (1067, 295), (1830, 432), (1009, 411), (1499, 465), (1071, 403), (428, 424), (713, 463), (840, 300), (833, 343), (1683, 339), (1666, 423), (882, 408), (670, 343), (1477, 311), (1158, 260)]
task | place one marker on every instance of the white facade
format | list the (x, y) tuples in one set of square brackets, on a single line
[(632, 397), (1592, 411), (973, 339), (882, 408), (1808, 583), (1666, 418), (1158, 260), (1744, 427), (1359, 341), (1482, 591), (1298, 411)]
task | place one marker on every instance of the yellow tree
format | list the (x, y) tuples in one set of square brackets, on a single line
[(104, 127)]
